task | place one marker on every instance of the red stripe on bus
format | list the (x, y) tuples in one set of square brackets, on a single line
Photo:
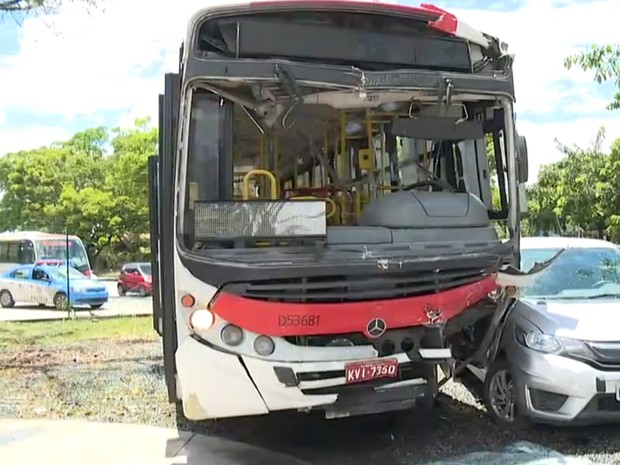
[(301, 319)]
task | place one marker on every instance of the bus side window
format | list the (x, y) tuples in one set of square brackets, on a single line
[(26, 253), (13, 254), (4, 252)]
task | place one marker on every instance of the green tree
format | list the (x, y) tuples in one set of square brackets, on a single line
[(31, 180), (94, 184), (128, 168), (92, 214), (604, 60), (577, 192)]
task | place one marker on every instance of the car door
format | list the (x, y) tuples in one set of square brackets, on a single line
[(42, 289), (17, 284), (133, 276)]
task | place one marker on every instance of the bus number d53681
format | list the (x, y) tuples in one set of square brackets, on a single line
[(298, 320)]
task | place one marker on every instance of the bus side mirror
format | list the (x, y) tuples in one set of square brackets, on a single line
[(522, 160)]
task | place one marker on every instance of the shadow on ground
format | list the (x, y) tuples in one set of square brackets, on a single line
[(123, 382), (454, 428)]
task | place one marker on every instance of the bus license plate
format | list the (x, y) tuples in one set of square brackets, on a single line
[(357, 372)]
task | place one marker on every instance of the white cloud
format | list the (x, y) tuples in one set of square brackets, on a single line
[(541, 34), (26, 138), (582, 132), (76, 65)]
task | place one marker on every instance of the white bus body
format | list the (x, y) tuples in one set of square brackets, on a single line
[(344, 277), (29, 247)]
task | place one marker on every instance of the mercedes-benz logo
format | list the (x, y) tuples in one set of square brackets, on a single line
[(375, 328)]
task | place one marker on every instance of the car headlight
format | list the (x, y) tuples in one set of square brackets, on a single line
[(543, 342), (550, 344), (77, 289)]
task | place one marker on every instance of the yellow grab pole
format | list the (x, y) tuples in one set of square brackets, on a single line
[(250, 174)]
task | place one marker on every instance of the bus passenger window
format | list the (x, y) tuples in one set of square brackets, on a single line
[(13, 254), (26, 253)]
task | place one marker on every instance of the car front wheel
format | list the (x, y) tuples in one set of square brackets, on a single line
[(60, 301), (6, 299), (121, 290), (500, 394)]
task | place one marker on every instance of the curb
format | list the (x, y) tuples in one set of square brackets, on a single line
[(85, 317)]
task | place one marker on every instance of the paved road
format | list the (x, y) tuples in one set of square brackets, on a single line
[(128, 305)]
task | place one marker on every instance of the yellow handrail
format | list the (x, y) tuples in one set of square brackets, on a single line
[(268, 174)]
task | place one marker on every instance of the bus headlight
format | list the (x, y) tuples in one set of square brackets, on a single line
[(201, 320), (232, 335), (264, 345)]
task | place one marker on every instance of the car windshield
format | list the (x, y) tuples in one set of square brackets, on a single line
[(61, 273), (145, 268), (576, 274)]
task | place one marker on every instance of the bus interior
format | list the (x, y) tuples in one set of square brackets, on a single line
[(391, 167)]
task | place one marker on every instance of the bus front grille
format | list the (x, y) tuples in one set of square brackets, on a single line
[(357, 288)]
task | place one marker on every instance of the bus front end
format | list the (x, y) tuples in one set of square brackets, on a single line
[(323, 225)]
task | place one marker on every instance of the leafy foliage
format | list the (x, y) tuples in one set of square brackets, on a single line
[(604, 60), (577, 193), (102, 197)]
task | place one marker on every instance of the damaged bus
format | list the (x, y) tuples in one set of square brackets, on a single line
[(322, 223)]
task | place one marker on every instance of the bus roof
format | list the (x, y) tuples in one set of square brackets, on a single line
[(8, 235), (436, 17)]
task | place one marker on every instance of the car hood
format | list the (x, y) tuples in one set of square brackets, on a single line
[(578, 319), (87, 283)]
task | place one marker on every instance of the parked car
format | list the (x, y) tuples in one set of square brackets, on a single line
[(48, 285), (135, 277), (559, 356)]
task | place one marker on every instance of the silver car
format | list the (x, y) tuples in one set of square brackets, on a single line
[(559, 356)]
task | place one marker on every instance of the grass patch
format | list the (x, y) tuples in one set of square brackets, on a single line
[(20, 334)]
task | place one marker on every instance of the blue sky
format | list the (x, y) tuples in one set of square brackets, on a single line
[(79, 69)]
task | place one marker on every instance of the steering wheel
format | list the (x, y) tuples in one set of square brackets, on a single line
[(429, 182), (601, 283)]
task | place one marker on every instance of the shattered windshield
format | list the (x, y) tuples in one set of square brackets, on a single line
[(578, 273), (346, 157)]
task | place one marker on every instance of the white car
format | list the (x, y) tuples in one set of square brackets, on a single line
[(559, 357)]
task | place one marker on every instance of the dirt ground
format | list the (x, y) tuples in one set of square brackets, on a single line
[(123, 382)]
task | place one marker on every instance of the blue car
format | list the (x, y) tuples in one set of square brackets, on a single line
[(47, 285)]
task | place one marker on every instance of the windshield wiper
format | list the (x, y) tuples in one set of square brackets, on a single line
[(603, 296)]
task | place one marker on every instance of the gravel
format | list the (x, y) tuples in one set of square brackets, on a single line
[(123, 382)]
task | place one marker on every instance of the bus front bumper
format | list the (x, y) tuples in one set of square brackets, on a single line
[(217, 384)]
